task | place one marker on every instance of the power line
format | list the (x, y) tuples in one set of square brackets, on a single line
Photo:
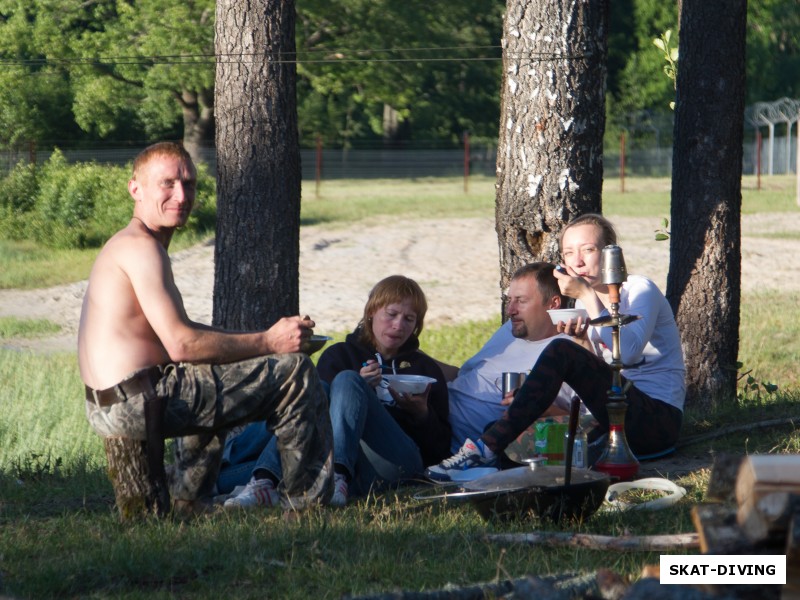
[(333, 57)]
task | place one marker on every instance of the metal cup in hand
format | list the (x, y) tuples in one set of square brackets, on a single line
[(510, 382)]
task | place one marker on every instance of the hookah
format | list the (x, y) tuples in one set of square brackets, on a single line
[(617, 459)]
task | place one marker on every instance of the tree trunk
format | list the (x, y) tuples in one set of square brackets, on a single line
[(704, 280), (198, 122), (257, 250), (552, 119)]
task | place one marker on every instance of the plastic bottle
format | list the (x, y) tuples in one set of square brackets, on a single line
[(580, 448)]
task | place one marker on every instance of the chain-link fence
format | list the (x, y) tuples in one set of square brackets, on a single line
[(643, 149)]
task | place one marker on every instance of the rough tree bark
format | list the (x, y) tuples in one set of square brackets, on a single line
[(704, 280), (198, 121), (552, 119), (257, 249)]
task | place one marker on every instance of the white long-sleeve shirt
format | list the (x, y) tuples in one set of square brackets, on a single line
[(650, 347)]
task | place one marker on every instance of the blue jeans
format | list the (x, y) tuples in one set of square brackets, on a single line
[(254, 447), (367, 441)]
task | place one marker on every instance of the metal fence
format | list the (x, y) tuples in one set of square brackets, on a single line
[(420, 160)]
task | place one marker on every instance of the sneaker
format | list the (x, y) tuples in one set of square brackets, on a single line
[(258, 492), (471, 455), (339, 497)]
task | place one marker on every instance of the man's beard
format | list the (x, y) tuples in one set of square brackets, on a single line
[(519, 329)]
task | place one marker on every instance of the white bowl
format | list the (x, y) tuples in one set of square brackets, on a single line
[(408, 384), (565, 314)]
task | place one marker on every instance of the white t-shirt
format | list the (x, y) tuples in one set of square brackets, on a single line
[(475, 393)]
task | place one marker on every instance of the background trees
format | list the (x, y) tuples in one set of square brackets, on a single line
[(84, 72), (123, 70)]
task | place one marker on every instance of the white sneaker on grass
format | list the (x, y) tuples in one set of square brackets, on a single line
[(258, 492), (471, 455), (339, 497)]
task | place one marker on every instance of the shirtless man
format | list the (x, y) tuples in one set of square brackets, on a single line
[(136, 343)]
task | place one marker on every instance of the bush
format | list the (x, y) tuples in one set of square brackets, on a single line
[(81, 205), (17, 200)]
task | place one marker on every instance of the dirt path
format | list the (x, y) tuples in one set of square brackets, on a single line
[(454, 260)]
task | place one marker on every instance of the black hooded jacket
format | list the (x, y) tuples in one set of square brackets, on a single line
[(432, 435)]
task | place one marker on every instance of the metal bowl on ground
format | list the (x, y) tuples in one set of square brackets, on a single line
[(536, 490), (515, 493)]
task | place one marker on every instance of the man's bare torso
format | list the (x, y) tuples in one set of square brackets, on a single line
[(115, 337)]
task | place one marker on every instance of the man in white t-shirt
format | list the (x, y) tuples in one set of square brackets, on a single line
[(475, 393)]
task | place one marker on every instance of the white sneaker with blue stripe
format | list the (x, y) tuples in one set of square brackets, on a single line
[(471, 455)]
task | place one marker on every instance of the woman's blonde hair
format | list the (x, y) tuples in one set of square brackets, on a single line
[(607, 231), (391, 290)]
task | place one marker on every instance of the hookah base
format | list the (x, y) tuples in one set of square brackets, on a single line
[(621, 472)]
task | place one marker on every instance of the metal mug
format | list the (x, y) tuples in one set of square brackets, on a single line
[(510, 382), (612, 265)]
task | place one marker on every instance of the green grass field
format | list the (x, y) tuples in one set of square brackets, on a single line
[(60, 536)]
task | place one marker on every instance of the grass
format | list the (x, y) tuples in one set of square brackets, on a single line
[(11, 327), (60, 537)]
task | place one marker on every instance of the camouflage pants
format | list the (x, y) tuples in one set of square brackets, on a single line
[(205, 401), (651, 426)]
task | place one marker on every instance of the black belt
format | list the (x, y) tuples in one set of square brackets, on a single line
[(140, 383)]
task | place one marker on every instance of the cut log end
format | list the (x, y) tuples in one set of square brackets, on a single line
[(134, 494)]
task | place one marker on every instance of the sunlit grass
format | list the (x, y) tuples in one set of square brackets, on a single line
[(27, 265), (11, 327)]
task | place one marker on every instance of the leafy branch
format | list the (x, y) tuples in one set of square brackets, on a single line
[(751, 385), (670, 53), (663, 233)]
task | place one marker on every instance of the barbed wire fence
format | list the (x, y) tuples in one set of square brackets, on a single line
[(643, 149)]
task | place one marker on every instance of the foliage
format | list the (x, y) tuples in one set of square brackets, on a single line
[(773, 50), (131, 71), (663, 233), (642, 85), (80, 205), (116, 69), (670, 53), (437, 71)]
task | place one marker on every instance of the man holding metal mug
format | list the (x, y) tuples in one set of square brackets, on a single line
[(476, 390)]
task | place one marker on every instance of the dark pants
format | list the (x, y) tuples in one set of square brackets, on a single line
[(205, 401), (651, 425)]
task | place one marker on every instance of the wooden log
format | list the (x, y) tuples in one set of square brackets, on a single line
[(722, 482), (791, 591), (600, 584), (762, 474), (768, 517), (766, 488), (626, 543), (134, 493), (718, 531)]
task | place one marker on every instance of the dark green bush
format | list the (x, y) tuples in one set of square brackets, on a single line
[(80, 205), (17, 200)]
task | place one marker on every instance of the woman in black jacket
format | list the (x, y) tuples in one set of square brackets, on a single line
[(380, 436)]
